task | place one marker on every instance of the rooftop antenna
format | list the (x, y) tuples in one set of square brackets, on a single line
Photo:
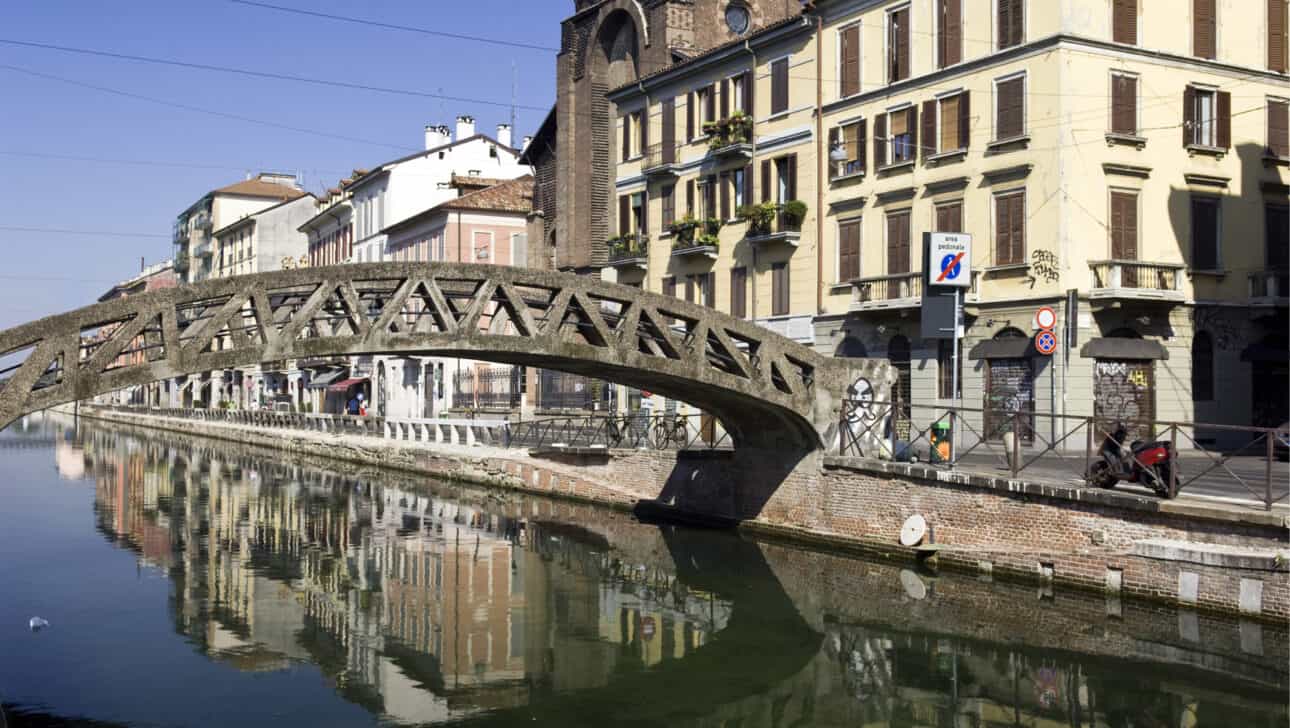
[(514, 84)]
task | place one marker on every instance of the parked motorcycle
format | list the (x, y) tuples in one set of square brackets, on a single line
[(1146, 463)]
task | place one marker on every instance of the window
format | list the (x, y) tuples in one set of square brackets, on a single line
[(849, 139), (738, 180), (848, 250), (669, 286), (950, 116), (849, 60), (898, 242), (949, 32), (702, 283), (949, 217), (668, 200), (903, 137), (1202, 367), (1278, 133), (1124, 104), (736, 97), (1207, 117), (945, 368), (1204, 28), (1276, 231), (1012, 22), (739, 292), (1010, 107), (1124, 233), (700, 108), (708, 196), (1010, 228), (779, 86), (1124, 21), (639, 219), (1277, 23), (779, 289), (1205, 232), (632, 135), (898, 44), (779, 179)]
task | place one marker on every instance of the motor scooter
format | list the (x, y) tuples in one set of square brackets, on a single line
[(1146, 463)]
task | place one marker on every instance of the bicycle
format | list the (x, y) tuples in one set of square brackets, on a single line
[(669, 430)]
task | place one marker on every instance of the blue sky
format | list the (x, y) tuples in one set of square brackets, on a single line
[(176, 155)]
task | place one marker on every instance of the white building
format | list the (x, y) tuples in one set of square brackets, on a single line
[(193, 233)]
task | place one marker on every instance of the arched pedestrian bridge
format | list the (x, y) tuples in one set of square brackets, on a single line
[(767, 390)]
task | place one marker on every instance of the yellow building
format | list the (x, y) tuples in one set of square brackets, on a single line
[(1121, 162)]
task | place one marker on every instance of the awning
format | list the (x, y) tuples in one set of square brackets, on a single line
[(1013, 347), (1112, 347), (1266, 353), (345, 384), (322, 380)]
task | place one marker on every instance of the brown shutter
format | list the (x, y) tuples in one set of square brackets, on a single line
[(1203, 28), (738, 292), (1018, 219), (624, 214), (1008, 11), (833, 144), (765, 180), (627, 137), (779, 288), (668, 194), (952, 31), (779, 86), (689, 118), (848, 250), (853, 141), (1224, 138), (710, 103), (851, 61), (880, 141), (710, 290), (689, 198), (1277, 35), (862, 139), (1278, 133), (1124, 101), (645, 130), (902, 45), (669, 286), (1011, 112), (748, 184), (1124, 21), (1189, 116), (1117, 225), (750, 84), (725, 98), (669, 131), (929, 129), (965, 117), (725, 195), (790, 184)]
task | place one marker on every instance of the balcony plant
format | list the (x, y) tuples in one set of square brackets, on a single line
[(683, 229), (734, 129), (760, 217), (794, 213), (712, 226)]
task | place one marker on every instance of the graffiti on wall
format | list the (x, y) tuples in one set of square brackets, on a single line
[(1043, 266), (1229, 330)]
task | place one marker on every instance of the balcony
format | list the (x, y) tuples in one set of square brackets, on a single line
[(660, 160), (629, 251), (893, 291), (730, 138), (181, 261), (695, 238), (1132, 279), (203, 249), (203, 222), (180, 235), (771, 223), (1270, 287)]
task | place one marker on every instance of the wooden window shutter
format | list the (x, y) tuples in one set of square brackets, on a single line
[(1189, 116), (929, 128), (1278, 133), (1010, 122), (725, 195), (951, 40), (1204, 230), (710, 290), (851, 61), (627, 137), (669, 131), (833, 144), (668, 194), (880, 141), (748, 184), (1018, 221), (1124, 102), (1277, 35), (645, 129), (1011, 23), (902, 45), (725, 98), (965, 118), (1124, 21), (689, 198), (1203, 15), (848, 250), (765, 180), (738, 288), (1224, 136), (624, 214), (1002, 231), (689, 289), (689, 118), (1124, 226), (644, 227), (853, 141), (779, 86), (779, 289), (862, 139), (669, 286), (750, 85), (790, 184), (710, 103)]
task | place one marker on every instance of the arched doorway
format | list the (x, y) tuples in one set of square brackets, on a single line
[(1010, 390), (1124, 390)]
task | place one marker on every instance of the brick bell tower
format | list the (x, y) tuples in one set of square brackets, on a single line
[(603, 45)]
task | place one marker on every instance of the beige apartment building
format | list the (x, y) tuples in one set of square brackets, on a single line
[(1124, 163)]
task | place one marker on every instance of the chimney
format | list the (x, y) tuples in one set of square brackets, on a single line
[(504, 134), (465, 127), (437, 136), (527, 141)]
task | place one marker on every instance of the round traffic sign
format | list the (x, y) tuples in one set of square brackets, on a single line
[(1046, 342), (1046, 318), (951, 267)]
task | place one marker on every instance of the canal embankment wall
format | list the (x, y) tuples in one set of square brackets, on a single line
[(1210, 559)]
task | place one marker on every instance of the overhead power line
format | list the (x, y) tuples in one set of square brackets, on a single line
[(263, 74), (96, 233), (394, 26)]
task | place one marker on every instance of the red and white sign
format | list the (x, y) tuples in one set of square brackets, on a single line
[(1046, 318), (1046, 342)]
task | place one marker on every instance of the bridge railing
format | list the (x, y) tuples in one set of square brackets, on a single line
[(634, 431), (1228, 459)]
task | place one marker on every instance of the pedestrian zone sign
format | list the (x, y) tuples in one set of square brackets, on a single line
[(951, 259)]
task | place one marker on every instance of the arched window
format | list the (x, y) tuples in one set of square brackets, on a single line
[(1202, 367), (851, 347)]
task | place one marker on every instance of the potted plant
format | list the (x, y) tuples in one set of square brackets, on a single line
[(708, 240), (738, 128), (683, 230), (712, 226), (794, 213), (759, 217)]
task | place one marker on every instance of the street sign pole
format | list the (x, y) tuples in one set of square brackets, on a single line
[(955, 395)]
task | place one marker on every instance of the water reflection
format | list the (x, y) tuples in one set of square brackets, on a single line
[(429, 603)]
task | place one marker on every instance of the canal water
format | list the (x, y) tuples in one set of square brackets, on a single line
[(196, 583)]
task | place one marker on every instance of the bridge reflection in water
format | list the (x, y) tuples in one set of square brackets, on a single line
[(449, 604)]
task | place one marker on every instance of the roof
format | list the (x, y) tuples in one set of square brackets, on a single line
[(460, 180), (260, 188), (514, 196), (544, 133), (380, 168), (709, 52)]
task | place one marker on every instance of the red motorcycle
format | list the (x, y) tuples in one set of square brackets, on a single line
[(1147, 463)]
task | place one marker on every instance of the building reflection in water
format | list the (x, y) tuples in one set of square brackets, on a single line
[(426, 608)]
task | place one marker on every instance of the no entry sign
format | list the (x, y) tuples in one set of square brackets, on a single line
[(950, 255), (1046, 342)]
